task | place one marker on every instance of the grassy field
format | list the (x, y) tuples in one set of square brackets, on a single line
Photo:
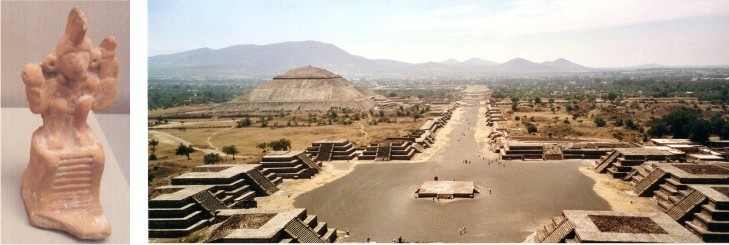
[(584, 127), (207, 134)]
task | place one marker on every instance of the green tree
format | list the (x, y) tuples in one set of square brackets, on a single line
[(230, 150), (184, 150), (417, 116), (280, 145), (658, 128), (262, 146), (153, 145), (600, 122), (700, 130), (618, 122), (724, 132), (246, 122), (632, 125), (717, 122), (212, 158), (531, 128), (611, 96)]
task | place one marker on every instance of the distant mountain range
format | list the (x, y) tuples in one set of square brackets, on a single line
[(267, 61)]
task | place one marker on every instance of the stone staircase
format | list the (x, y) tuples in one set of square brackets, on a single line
[(604, 162), (325, 152), (558, 231), (301, 233), (72, 184), (331, 150), (644, 186), (383, 151), (264, 185), (271, 176), (320, 233), (621, 162), (290, 165)]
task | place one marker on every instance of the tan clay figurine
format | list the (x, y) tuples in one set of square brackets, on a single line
[(60, 187)]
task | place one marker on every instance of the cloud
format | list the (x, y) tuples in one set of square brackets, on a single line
[(532, 17)]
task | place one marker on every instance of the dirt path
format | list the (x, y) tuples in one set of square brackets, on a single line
[(361, 130), (169, 139)]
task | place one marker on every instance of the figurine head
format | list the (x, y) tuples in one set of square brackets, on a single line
[(73, 55)]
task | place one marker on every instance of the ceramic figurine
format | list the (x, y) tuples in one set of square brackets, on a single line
[(60, 187)]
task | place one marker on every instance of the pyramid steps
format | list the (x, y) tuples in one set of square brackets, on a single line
[(179, 232)]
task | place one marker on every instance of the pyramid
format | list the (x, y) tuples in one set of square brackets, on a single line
[(305, 89)]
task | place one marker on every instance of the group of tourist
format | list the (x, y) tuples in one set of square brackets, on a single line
[(462, 230)]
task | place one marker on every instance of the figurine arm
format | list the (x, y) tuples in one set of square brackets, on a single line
[(35, 88), (108, 71)]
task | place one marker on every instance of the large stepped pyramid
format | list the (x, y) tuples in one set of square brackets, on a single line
[(305, 89)]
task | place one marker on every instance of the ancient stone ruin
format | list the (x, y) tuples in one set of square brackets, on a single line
[(404, 148), (289, 165), (620, 162), (269, 226), (608, 226), (330, 150), (220, 198), (305, 89), (387, 150), (447, 189), (692, 194)]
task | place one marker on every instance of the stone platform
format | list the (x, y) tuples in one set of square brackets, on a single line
[(610, 226), (269, 226), (447, 189)]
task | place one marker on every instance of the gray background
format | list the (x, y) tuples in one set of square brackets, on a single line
[(30, 31)]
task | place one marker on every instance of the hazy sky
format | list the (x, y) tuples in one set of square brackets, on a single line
[(592, 33)]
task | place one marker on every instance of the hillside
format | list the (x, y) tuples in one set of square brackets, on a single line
[(265, 61)]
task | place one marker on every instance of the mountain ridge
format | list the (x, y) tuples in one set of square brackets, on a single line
[(266, 61)]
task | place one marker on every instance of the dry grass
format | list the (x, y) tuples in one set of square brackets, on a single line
[(180, 109), (169, 165)]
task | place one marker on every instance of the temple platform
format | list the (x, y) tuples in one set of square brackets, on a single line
[(613, 227), (447, 189)]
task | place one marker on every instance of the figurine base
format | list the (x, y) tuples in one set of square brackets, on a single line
[(60, 188)]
